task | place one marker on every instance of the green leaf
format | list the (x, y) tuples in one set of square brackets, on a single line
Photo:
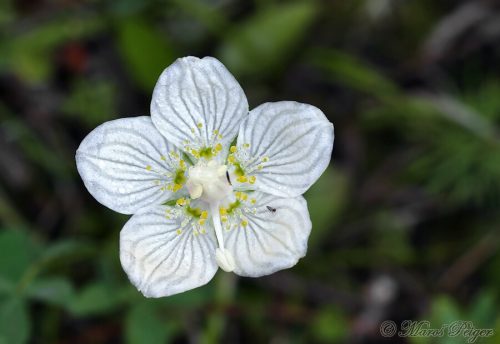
[(329, 326), (350, 71), (66, 250), (145, 326), (146, 51), (96, 299), (14, 321), (29, 53), (265, 41), (16, 255), (56, 291), (91, 101), (326, 200)]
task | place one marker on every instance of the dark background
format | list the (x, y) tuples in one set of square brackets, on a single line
[(405, 220)]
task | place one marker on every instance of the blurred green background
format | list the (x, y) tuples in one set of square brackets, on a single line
[(405, 222)]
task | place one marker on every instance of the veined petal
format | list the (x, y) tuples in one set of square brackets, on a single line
[(197, 104), (164, 254), (270, 235), (283, 147), (126, 164)]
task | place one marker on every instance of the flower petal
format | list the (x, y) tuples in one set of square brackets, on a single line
[(285, 146), (271, 238), (126, 164), (161, 259), (197, 104)]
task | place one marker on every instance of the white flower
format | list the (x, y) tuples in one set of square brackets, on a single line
[(198, 202)]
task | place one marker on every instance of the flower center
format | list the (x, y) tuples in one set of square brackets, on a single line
[(208, 181)]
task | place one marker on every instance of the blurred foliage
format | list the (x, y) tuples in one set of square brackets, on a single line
[(405, 221)]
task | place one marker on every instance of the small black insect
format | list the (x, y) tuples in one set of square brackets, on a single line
[(271, 209), (228, 179)]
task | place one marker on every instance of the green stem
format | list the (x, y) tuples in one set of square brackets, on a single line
[(225, 290)]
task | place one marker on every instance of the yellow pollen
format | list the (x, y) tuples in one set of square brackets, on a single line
[(242, 179), (201, 221), (233, 149), (265, 159), (252, 179), (148, 167), (204, 214), (181, 201), (182, 164), (216, 132), (231, 159), (246, 145), (163, 158), (253, 201), (179, 231), (260, 167), (244, 223), (200, 125), (177, 187), (243, 196), (222, 211), (223, 218), (218, 147), (195, 153)]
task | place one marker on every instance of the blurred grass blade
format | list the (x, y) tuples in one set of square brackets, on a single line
[(325, 200), (17, 252), (55, 291), (145, 51), (265, 41), (143, 325), (350, 71), (14, 321), (28, 54)]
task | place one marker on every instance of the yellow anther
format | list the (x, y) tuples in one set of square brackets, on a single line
[(148, 167), (222, 211), (265, 159), (179, 231), (242, 179), (233, 149), (260, 167), (244, 223), (181, 201), (231, 159), (201, 222), (237, 194), (174, 154), (195, 232), (243, 196), (253, 201), (163, 158), (204, 214), (246, 145), (195, 153), (200, 125), (223, 218), (218, 147), (182, 164), (252, 179), (216, 132), (203, 231), (176, 187)]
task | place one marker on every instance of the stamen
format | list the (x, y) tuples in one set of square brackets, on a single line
[(223, 257)]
